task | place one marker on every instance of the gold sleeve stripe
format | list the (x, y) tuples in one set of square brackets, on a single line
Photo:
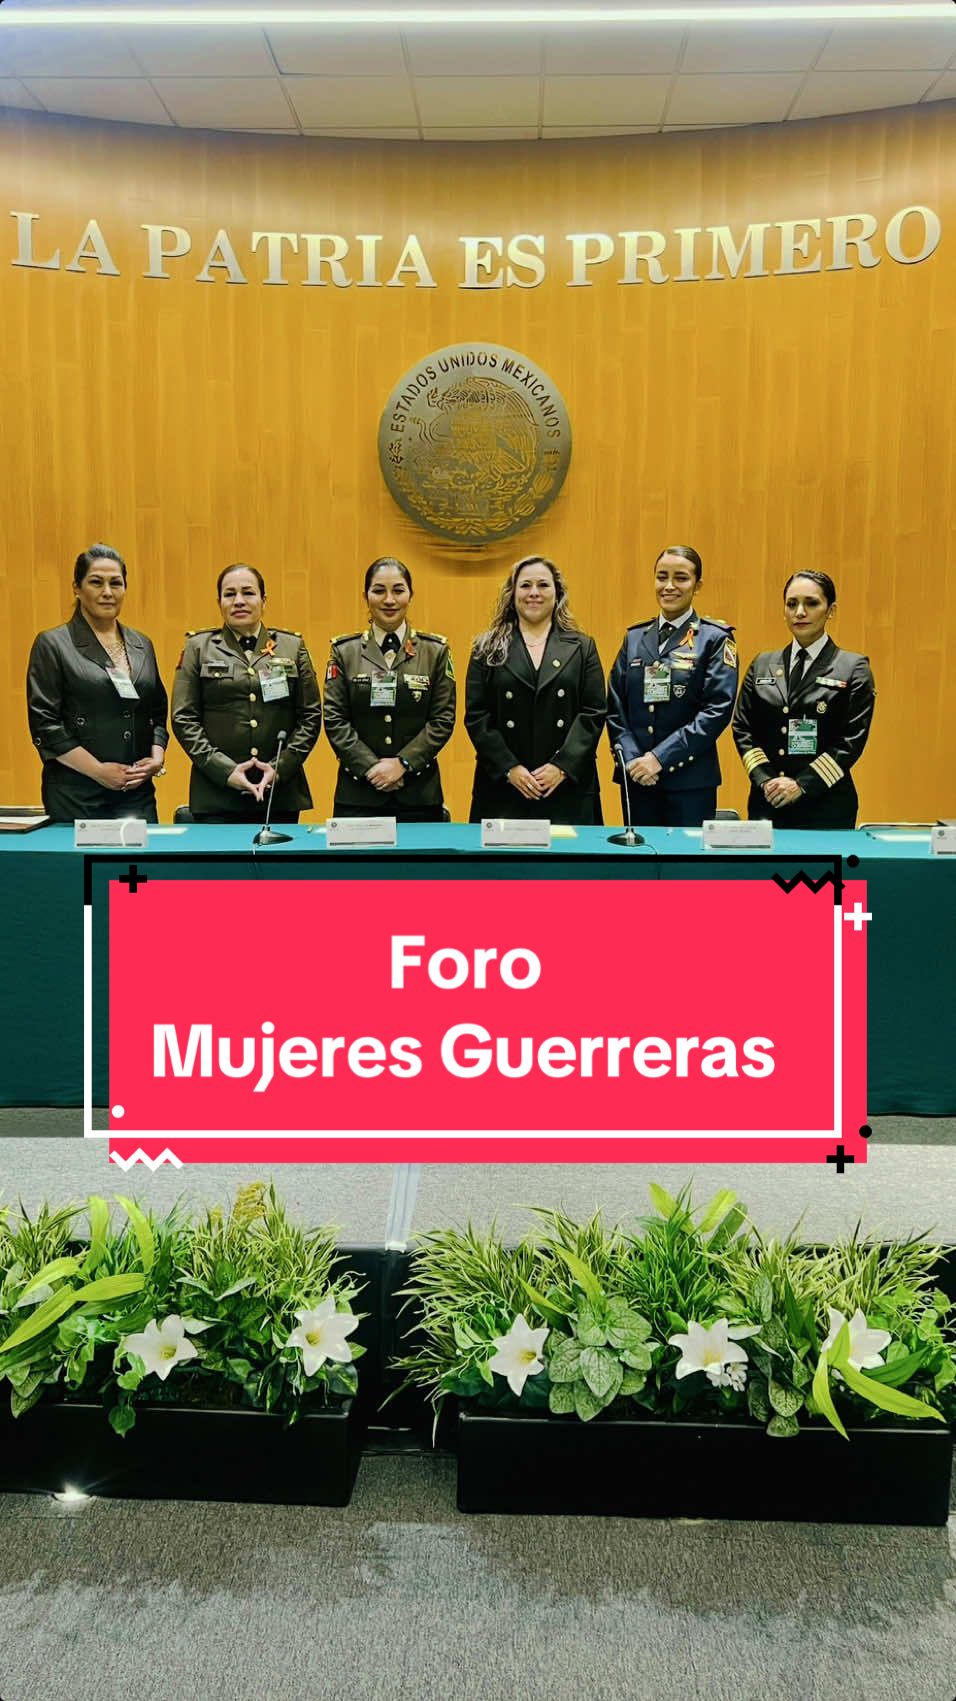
[(754, 759), (829, 771)]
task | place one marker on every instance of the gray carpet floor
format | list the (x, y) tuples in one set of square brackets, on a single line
[(399, 1596)]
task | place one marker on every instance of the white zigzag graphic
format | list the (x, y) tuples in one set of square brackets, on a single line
[(139, 1156)]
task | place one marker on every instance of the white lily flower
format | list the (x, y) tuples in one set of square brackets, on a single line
[(712, 1351), (866, 1345), (519, 1353), (321, 1335), (161, 1346)]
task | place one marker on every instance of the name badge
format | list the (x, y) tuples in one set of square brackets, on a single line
[(657, 683), (274, 682), (384, 691), (123, 685), (801, 738)]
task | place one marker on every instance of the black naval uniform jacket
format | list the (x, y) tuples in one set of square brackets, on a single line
[(415, 728), (515, 716), (73, 704), (683, 732), (836, 693), (220, 717)]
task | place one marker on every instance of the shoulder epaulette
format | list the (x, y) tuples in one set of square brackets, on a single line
[(435, 637), (640, 625), (344, 637), (711, 620), (200, 631), (286, 631)]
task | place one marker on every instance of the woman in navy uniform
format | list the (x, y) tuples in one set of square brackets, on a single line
[(96, 704), (670, 696), (390, 700), (237, 687), (804, 717), (535, 704)]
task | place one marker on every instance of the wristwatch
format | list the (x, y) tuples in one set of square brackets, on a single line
[(406, 764)]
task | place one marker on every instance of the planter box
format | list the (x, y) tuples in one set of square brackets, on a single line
[(183, 1453), (633, 1468)]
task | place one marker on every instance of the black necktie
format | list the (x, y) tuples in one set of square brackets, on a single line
[(666, 631), (248, 642), (797, 670), (390, 643)]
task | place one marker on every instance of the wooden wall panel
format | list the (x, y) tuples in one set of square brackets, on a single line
[(774, 422)]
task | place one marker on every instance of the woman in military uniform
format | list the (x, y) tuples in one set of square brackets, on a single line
[(238, 686), (670, 696), (96, 703), (804, 717), (534, 704), (389, 705)]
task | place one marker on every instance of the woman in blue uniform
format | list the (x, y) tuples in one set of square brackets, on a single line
[(804, 717), (534, 704), (670, 696)]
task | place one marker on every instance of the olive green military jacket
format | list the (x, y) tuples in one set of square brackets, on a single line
[(221, 716), (415, 728)]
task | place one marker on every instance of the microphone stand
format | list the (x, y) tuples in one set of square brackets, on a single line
[(628, 837), (266, 834)]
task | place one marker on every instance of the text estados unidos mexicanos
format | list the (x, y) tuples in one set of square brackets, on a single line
[(466, 1050)]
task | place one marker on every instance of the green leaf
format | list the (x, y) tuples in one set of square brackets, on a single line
[(716, 1210), (141, 1229), (888, 1399), (131, 1379), (561, 1397), (602, 1373), (663, 1204), (564, 1364), (822, 1397), (99, 1214), (551, 1313), (773, 1336), (49, 1274), (485, 1371), (625, 1326), (638, 1357), (122, 1418), (900, 1369), (762, 1295), (49, 1312), (758, 1401), (800, 1373), (585, 1278), (781, 1425), (785, 1401), (109, 1287), (586, 1404), (589, 1331), (632, 1381), (725, 1231)]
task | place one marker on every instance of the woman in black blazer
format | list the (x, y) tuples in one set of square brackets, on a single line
[(534, 704), (96, 703)]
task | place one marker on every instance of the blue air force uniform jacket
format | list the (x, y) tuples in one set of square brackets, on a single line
[(682, 732), (837, 695)]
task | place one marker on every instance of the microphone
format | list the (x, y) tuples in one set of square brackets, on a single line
[(266, 834), (628, 837)]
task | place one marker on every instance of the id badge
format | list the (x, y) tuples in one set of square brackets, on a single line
[(657, 683), (801, 738), (384, 691), (123, 685), (274, 682)]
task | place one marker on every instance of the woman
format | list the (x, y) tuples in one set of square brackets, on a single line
[(670, 696), (96, 704), (238, 686), (804, 716), (534, 704), (389, 705)]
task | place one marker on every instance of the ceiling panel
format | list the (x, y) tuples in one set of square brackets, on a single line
[(509, 133), (125, 99), (596, 48), (471, 101), (828, 92), (66, 53), (476, 53), (915, 47), (944, 88), (226, 102), (201, 53), (604, 100), (353, 102), (751, 48), (13, 93), (399, 134), (338, 52), (564, 132), (760, 98)]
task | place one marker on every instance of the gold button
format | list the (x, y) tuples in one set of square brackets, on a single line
[(555, 663), (254, 751), (650, 729), (388, 719), (781, 753), (388, 741), (560, 723), (785, 709), (509, 693), (252, 696), (509, 723), (253, 723), (561, 691)]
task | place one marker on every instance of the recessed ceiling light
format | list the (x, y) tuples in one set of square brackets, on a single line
[(464, 16)]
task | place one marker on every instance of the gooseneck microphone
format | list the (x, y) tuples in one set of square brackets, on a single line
[(266, 834), (628, 837)]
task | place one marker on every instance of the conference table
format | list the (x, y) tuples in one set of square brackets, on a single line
[(911, 943)]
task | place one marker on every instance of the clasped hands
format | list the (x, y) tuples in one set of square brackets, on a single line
[(127, 776), (239, 778), (643, 771), (781, 791), (541, 783)]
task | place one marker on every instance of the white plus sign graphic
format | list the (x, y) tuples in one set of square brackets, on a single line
[(858, 916)]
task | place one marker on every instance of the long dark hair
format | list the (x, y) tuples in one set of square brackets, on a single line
[(493, 644), (96, 552)]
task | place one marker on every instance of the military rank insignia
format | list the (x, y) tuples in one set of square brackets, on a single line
[(331, 672), (730, 653)]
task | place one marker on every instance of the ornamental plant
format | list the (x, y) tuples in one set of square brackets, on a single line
[(240, 1307), (690, 1313)]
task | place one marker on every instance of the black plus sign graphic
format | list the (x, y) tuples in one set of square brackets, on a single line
[(134, 879), (841, 1158)]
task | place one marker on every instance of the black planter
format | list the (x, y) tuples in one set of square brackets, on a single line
[(183, 1453), (632, 1468)]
